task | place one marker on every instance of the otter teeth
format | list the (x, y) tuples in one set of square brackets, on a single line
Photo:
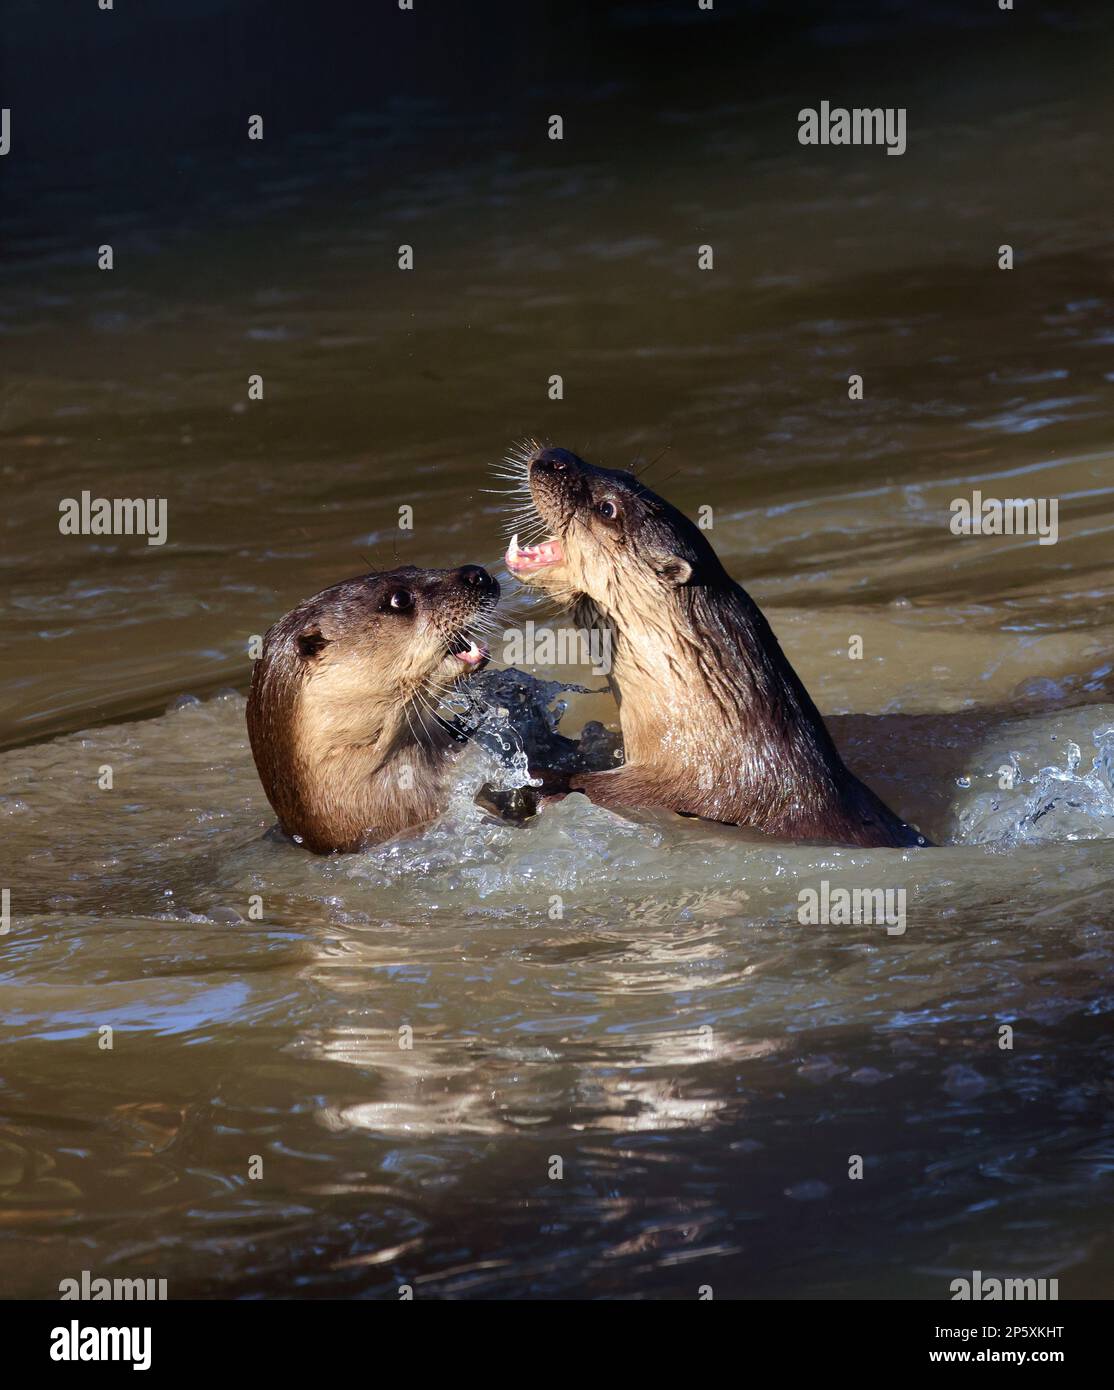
[(533, 557), (477, 652)]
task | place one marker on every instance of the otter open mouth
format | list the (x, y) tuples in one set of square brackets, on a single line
[(525, 559), (465, 648)]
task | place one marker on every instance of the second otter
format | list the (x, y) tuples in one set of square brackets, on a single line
[(342, 714), (716, 723)]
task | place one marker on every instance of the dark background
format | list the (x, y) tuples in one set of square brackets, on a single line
[(135, 106)]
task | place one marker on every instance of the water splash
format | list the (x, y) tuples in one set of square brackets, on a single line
[(513, 718), (1071, 798)]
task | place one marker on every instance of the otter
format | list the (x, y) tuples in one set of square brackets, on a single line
[(343, 713), (716, 723)]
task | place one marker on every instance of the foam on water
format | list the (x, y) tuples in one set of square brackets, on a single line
[(618, 865), (1050, 778)]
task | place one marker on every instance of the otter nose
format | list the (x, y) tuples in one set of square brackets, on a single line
[(557, 460), (475, 576)]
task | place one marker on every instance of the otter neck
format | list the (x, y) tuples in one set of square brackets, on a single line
[(363, 793), (708, 700)]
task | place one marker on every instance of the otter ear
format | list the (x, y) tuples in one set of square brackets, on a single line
[(310, 643), (672, 568)]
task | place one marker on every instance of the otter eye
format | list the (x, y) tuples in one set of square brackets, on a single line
[(607, 509), (401, 600)]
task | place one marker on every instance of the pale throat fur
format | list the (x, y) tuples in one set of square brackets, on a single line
[(369, 760)]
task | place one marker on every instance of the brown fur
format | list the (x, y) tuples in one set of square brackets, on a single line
[(715, 721), (342, 714)]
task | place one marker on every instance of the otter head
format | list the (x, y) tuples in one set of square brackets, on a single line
[(611, 540), (348, 683)]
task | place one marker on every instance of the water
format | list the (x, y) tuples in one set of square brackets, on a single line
[(702, 1065)]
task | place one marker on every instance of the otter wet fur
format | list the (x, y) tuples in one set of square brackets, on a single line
[(343, 714), (716, 723)]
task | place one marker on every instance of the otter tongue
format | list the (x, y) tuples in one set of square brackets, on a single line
[(533, 557)]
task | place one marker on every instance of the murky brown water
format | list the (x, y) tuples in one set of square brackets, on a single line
[(703, 1065)]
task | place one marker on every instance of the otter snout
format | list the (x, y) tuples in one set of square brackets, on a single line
[(560, 474), (476, 577), (555, 461), (479, 591), (559, 485)]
